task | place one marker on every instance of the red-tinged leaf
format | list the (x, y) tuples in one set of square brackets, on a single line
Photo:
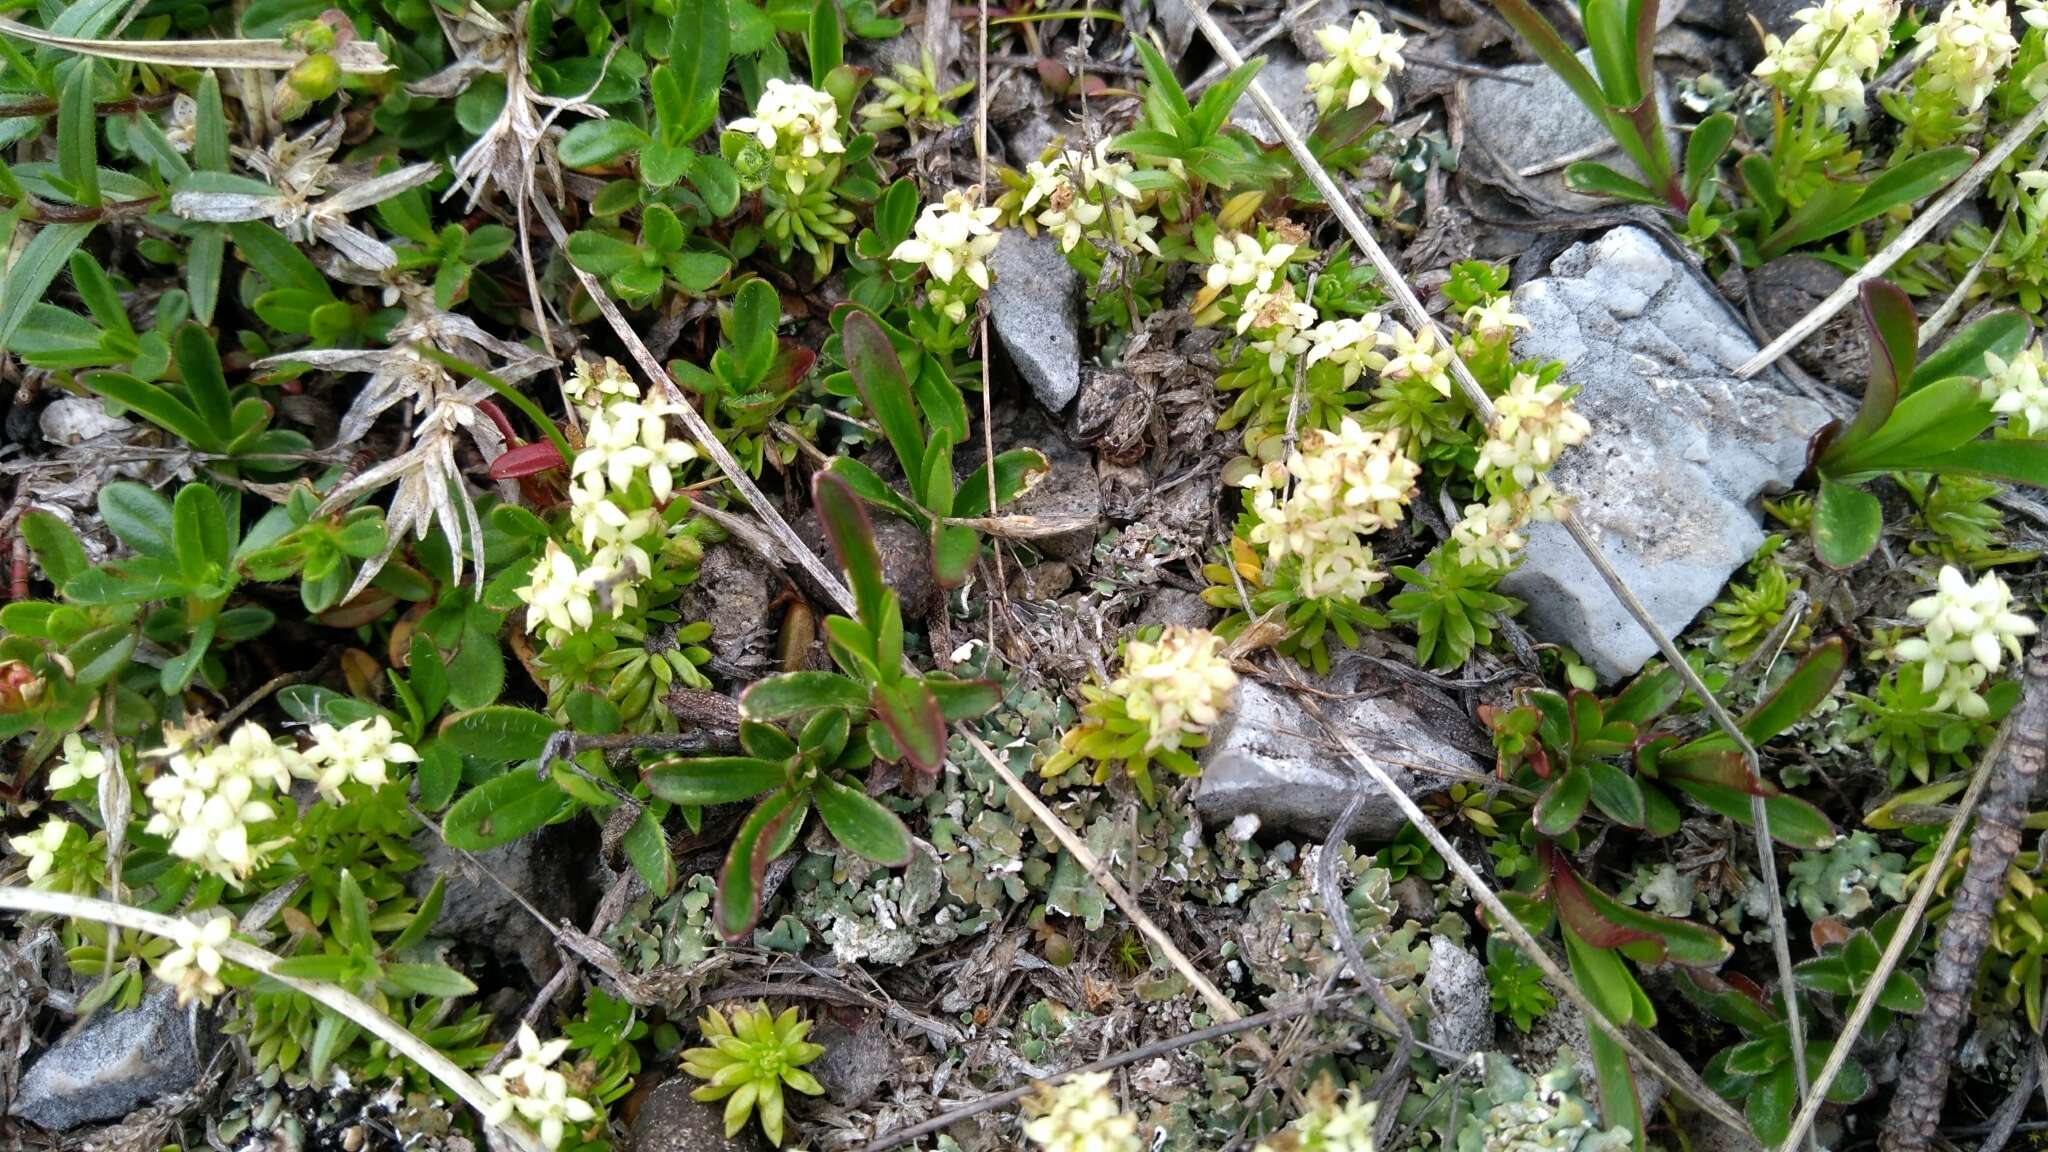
[(792, 694), (861, 824), (738, 906), (714, 779), (953, 552), (526, 460), (884, 387), (792, 363), (853, 540), (910, 713), (1564, 801), (1894, 339), (1577, 912), (1801, 692), (964, 699)]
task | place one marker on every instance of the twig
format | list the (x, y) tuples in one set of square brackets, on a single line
[(1504, 920), (1879, 264), (1950, 307), (993, 1101), (1896, 949), (1332, 895), (358, 1011), (1476, 398), (1923, 1078)]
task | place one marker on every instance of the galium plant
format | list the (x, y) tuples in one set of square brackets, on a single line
[(1172, 690), (1079, 1115)]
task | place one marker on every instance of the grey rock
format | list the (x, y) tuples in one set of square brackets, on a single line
[(1269, 758), (1285, 79), (1520, 127), (1045, 580), (731, 593), (669, 1121), (1783, 291), (115, 1064), (1460, 999), (1680, 450), (1036, 306), (906, 558), (856, 1062), (1174, 607), (483, 912), (1069, 492)]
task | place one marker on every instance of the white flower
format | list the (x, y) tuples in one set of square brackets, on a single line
[(1241, 260), (1080, 1116), (204, 802), (1968, 630), (799, 124), (1351, 342), (362, 752), (600, 382), (1362, 57), (1487, 537), (41, 847), (557, 593), (1536, 425), (600, 521), (1332, 1123), (1494, 319), (193, 967), (1089, 196), (1421, 356), (1962, 53), (254, 754), (952, 238), (529, 1086), (628, 439), (1176, 687), (2035, 13), (1853, 33), (1334, 490), (78, 765), (2016, 388)]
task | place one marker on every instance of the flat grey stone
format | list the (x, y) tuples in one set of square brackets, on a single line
[(1270, 759), (1460, 999), (117, 1063), (672, 1122), (856, 1062), (1035, 305), (1542, 123), (1680, 451)]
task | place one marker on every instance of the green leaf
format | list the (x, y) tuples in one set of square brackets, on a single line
[(953, 551), (964, 699), (595, 142), (199, 534), (139, 516), (1016, 471), (351, 926), (202, 270), (826, 43), (2015, 461), (1768, 1106), (1760, 180), (601, 255), (1564, 801), (325, 969), (502, 809), (1613, 45), (792, 694), (853, 542), (210, 126), (756, 311), (1620, 1105), (54, 544), (438, 774), (24, 283), (1846, 524), (1794, 822), (738, 906), (155, 405), (1594, 179), (877, 372), (423, 918), (646, 848), (911, 714), (78, 131), (437, 980), (2001, 334), (698, 48), (498, 732), (860, 824), (697, 272), (1710, 140), (1800, 693), (705, 780), (1615, 793)]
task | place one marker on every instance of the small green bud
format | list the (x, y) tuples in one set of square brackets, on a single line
[(315, 77)]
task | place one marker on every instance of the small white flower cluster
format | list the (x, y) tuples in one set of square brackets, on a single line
[(205, 800), (2017, 390), (1362, 59), (1853, 35), (1240, 260), (529, 1086), (799, 126), (79, 764), (1968, 629), (193, 967), (1353, 343), (951, 239), (626, 466), (1080, 1116), (1335, 1123), (41, 847), (1087, 195), (1333, 491), (1419, 356), (1280, 322), (1536, 424), (1176, 687), (1963, 53)]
